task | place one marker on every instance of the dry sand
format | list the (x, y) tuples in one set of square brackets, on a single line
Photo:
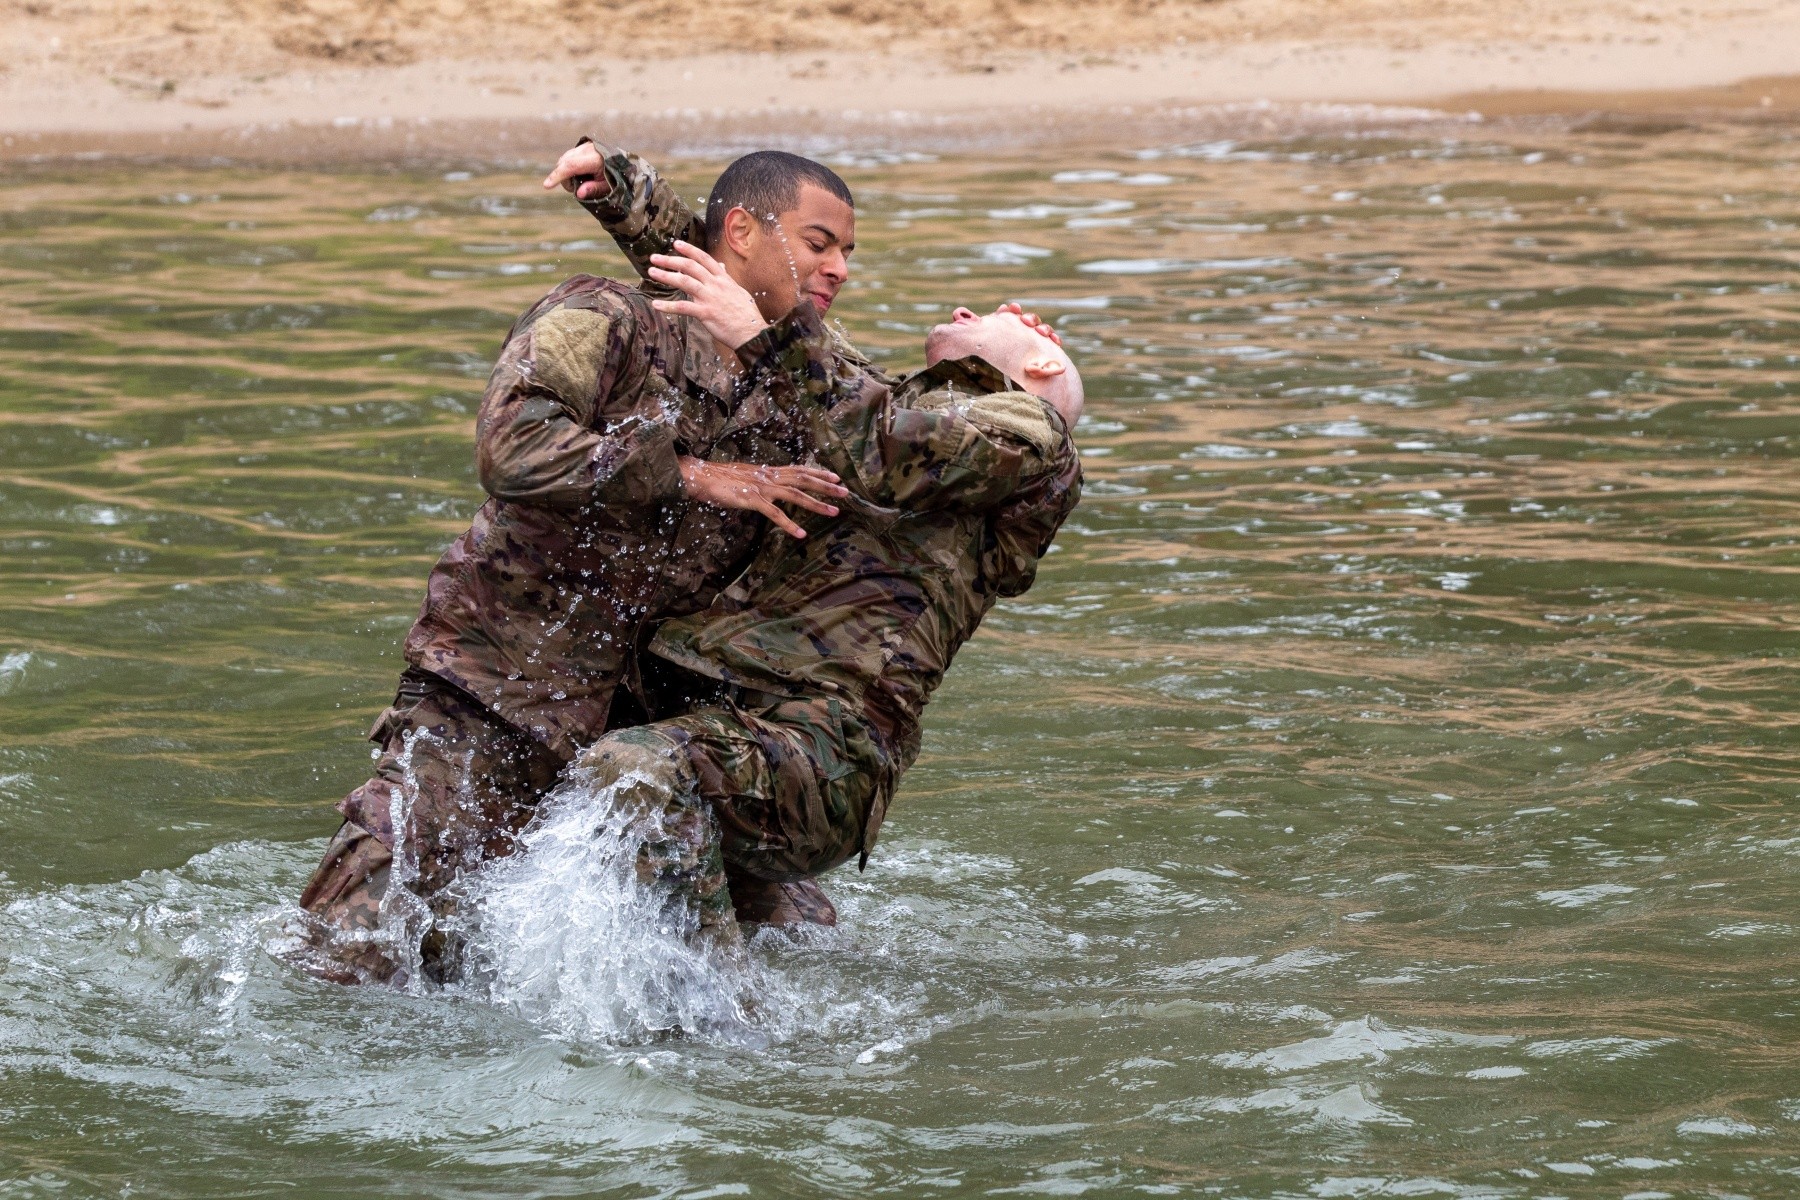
[(513, 79)]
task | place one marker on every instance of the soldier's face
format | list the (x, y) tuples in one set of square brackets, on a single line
[(1035, 362), (803, 254), (1001, 337)]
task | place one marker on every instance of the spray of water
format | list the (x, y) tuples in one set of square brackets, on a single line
[(403, 917), (565, 933)]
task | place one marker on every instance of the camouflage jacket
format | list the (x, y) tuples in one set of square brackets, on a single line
[(537, 609), (958, 486)]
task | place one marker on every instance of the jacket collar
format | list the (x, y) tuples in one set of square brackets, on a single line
[(701, 363), (973, 374)]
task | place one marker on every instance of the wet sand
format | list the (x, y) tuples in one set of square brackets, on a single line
[(189, 85)]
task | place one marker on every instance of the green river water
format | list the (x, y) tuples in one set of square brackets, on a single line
[(1387, 789)]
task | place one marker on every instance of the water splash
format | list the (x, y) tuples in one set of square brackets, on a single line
[(567, 935), (403, 918)]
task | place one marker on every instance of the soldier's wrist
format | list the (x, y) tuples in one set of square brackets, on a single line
[(763, 347), (800, 324), (609, 201)]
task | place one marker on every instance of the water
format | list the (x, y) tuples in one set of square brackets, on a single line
[(621, 962), (1386, 790)]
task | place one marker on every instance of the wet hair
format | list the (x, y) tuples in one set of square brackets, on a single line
[(766, 183)]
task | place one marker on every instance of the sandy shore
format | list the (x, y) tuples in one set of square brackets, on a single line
[(234, 78)]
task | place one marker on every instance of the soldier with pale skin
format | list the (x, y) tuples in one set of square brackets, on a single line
[(647, 218)]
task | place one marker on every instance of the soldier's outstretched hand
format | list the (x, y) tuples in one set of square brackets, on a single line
[(1035, 322), (578, 171), (763, 489)]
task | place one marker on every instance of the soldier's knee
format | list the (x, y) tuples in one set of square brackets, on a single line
[(644, 757), (353, 858)]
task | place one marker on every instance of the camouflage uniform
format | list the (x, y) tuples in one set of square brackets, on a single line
[(828, 648), (533, 617)]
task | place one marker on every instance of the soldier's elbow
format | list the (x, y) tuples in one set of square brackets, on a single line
[(498, 475)]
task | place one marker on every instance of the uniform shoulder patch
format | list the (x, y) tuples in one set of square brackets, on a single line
[(1016, 414), (568, 352)]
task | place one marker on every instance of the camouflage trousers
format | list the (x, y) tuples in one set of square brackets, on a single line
[(453, 785), (773, 794), (747, 801)]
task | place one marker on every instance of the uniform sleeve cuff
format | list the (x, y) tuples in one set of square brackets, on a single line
[(615, 202), (787, 343)]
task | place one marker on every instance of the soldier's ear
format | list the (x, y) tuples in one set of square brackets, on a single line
[(740, 231), (1042, 366)]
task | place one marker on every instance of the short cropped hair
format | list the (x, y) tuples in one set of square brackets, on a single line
[(766, 183)]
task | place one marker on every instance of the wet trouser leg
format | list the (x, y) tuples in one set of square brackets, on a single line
[(453, 785), (645, 774), (771, 796), (344, 944)]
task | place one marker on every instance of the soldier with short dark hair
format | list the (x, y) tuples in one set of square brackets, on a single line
[(632, 465)]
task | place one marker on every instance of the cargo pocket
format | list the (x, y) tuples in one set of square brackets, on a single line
[(734, 773), (799, 802), (847, 771)]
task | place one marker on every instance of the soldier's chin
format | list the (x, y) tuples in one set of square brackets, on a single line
[(940, 343)]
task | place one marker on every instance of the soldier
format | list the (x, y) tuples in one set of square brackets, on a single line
[(630, 464), (824, 654), (647, 217)]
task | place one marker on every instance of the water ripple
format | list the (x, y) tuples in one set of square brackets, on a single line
[(1384, 791)]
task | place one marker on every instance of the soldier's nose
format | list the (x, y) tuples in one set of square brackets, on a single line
[(963, 314)]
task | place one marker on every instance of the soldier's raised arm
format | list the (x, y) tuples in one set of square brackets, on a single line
[(630, 199), (541, 438)]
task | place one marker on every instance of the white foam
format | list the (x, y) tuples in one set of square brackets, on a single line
[(1581, 897), (565, 934), (1365, 1040), (1349, 1104), (12, 669), (1716, 1127)]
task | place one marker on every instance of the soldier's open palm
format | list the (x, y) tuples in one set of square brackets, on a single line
[(719, 301), (762, 489)]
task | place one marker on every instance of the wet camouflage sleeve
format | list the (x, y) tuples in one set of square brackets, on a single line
[(641, 210), (948, 448), (540, 438), (1026, 525)]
